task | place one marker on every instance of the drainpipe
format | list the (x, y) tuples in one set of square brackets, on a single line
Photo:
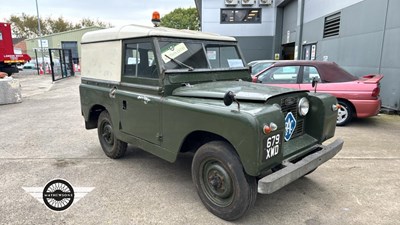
[(383, 37), (299, 33), (277, 41)]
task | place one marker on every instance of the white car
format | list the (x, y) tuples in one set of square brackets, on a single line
[(29, 65)]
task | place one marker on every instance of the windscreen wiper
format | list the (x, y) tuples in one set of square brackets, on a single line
[(180, 63)]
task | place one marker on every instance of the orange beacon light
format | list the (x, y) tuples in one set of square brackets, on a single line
[(156, 18)]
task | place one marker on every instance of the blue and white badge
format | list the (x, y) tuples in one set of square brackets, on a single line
[(290, 125)]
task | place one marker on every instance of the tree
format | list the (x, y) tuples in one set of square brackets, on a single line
[(26, 26), (58, 25), (182, 18), (86, 22)]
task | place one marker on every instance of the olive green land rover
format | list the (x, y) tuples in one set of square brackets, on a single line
[(170, 91)]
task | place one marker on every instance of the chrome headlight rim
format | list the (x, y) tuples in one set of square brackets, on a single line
[(303, 106)]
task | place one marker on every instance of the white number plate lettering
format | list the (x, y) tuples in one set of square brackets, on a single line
[(272, 146)]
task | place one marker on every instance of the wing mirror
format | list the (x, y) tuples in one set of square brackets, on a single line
[(314, 84), (229, 98)]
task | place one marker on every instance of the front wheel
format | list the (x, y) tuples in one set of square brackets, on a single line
[(111, 146), (221, 183)]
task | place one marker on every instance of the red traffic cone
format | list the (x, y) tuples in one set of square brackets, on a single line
[(48, 69), (41, 72)]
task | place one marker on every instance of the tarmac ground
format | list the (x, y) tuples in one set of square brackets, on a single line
[(44, 138)]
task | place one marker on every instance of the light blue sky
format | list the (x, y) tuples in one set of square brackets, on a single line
[(117, 12)]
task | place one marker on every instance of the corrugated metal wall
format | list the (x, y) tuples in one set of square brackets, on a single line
[(368, 42)]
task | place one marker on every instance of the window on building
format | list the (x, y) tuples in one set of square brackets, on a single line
[(332, 25), (252, 15)]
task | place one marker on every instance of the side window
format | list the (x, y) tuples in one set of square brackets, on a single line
[(139, 61), (309, 73), (131, 59), (280, 75)]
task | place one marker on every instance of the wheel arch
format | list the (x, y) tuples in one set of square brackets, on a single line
[(93, 116), (194, 140)]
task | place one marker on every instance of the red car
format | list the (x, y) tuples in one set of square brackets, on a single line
[(358, 97)]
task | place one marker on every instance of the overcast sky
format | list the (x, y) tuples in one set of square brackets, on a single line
[(116, 12)]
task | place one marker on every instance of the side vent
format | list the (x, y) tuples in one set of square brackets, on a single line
[(332, 25)]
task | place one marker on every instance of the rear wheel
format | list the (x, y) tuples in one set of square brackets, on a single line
[(345, 113), (221, 183), (111, 146)]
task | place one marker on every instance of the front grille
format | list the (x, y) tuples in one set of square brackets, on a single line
[(290, 105)]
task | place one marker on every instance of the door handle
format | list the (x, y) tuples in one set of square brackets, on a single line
[(144, 98), (111, 94), (124, 105)]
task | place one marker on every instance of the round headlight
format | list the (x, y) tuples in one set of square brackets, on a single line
[(304, 106)]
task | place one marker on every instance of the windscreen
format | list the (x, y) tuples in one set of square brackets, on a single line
[(190, 54), (221, 56)]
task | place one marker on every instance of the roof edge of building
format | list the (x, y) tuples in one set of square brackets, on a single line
[(65, 32)]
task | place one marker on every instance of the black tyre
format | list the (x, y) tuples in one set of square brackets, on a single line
[(111, 146), (221, 183), (345, 113)]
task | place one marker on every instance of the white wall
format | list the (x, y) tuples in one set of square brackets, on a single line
[(211, 17)]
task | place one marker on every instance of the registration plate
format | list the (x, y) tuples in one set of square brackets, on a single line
[(272, 146)]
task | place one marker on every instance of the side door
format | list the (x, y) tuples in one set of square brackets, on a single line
[(139, 98), (282, 76)]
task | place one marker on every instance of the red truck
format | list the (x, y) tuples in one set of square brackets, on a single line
[(8, 59)]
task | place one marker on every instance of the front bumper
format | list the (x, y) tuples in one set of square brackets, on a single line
[(293, 171)]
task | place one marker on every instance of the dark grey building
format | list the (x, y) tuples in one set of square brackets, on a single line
[(362, 36)]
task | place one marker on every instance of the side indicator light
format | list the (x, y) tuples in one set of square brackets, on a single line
[(336, 107), (269, 128)]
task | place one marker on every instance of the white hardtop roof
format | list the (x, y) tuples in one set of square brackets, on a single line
[(137, 31)]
